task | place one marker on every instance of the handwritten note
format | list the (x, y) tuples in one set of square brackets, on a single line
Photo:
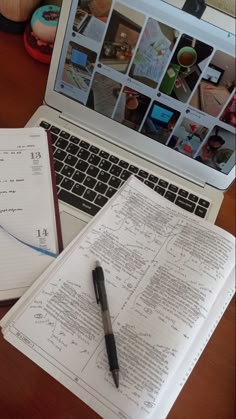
[(164, 271)]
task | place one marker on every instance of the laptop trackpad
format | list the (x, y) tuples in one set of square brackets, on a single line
[(71, 226)]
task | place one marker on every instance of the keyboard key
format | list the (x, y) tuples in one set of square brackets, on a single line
[(114, 182), (113, 159), (84, 144), (78, 202), (204, 203), (61, 143), (74, 139), (105, 165), (78, 189), (183, 193), (72, 149), (90, 182), (115, 170), (150, 184), (133, 169), (65, 134), (79, 176), (101, 187), (67, 183), (44, 124), (200, 211), (160, 190), (57, 165), (143, 174), (110, 192), (89, 195), (101, 200), (59, 154), (54, 138), (139, 178), (170, 196), (94, 159), (125, 175), (94, 149), (104, 154), (163, 183), (185, 204), (104, 176), (55, 130), (193, 198), (82, 165), (153, 178), (123, 164), (83, 154), (173, 188), (67, 171), (92, 171), (58, 178), (71, 160)]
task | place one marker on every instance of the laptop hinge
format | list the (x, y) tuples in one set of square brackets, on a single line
[(175, 171), (186, 176)]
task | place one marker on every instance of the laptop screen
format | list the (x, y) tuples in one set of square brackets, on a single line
[(152, 77)]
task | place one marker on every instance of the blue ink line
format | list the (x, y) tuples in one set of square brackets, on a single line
[(38, 249)]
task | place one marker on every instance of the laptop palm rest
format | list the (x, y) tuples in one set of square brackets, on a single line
[(71, 226)]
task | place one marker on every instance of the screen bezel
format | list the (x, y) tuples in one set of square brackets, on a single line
[(122, 136)]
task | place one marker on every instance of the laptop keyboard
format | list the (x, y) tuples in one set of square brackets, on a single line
[(88, 176)]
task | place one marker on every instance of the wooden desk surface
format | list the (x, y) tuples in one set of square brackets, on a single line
[(26, 391)]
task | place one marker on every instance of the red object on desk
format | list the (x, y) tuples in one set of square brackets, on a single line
[(40, 51)]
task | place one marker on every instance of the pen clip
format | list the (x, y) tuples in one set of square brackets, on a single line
[(94, 273)]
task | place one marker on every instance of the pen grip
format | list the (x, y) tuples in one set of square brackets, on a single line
[(111, 352)]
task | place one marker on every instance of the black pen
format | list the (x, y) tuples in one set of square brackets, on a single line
[(101, 297)]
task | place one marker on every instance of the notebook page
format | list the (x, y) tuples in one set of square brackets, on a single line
[(195, 351), (149, 251), (20, 266), (26, 197)]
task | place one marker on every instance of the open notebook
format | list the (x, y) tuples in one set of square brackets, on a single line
[(169, 277), (30, 234)]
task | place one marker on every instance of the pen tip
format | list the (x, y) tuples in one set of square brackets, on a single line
[(115, 375), (97, 264)]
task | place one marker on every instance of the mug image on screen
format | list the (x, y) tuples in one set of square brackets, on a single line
[(187, 63)]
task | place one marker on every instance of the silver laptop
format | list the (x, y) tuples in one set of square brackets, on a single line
[(112, 108)]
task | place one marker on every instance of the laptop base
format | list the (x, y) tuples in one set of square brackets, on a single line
[(73, 219)]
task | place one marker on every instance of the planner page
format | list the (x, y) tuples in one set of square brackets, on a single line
[(27, 210), (20, 265)]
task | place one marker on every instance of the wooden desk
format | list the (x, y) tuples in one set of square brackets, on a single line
[(26, 391)]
